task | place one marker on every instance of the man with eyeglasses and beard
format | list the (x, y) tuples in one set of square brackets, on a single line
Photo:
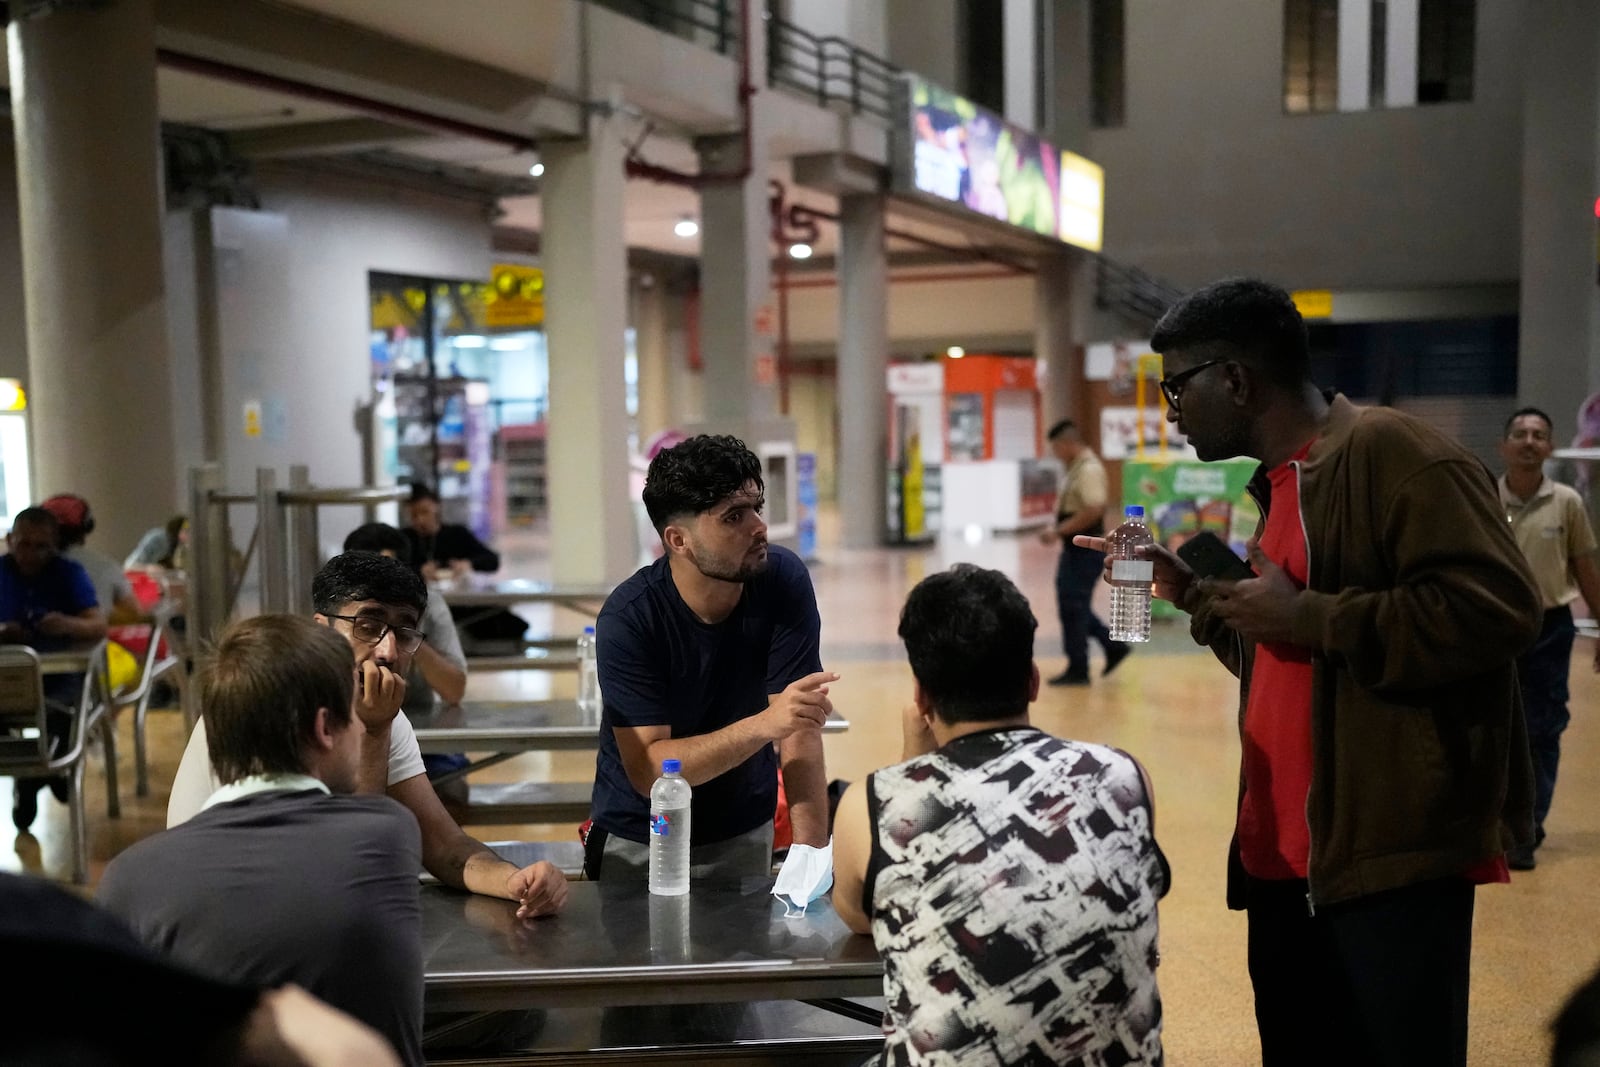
[(710, 656), (1384, 759), (375, 602)]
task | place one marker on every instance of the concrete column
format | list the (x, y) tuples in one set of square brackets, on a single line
[(1020, 47), (655, 364), (1067, 90), (592, 536), (1401, 27), (1559, 349), (83, 91), (863, 390), (741, 385), (1054, 341), (1355, 55)]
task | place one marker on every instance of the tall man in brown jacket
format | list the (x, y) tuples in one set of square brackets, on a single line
[(1385, 764)]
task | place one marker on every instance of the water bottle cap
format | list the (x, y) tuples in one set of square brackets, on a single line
[(588, 629), (670, 766), (1134, 511)]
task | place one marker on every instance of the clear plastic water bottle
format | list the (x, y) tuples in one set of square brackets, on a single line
[(669, 832), (1130, 577), (588, 677)]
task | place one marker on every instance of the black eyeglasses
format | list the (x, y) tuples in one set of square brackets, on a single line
[(1172, 388), (369, 631)]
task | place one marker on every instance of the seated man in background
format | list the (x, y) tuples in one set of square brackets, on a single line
[(111, 589), (286, 875), (161, 549), (47, 603), (131, 1006), (1009, 878), (710, 656), (439, 669), (375, 603), (441, 550)]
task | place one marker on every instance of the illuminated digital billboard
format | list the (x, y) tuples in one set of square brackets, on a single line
[(968, 155)]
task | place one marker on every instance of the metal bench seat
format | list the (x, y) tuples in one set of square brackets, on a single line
[(503, 803)]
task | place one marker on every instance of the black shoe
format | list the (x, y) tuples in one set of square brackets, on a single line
[(1071, 678), (1521, 859), (1115, 654), (24, 803)]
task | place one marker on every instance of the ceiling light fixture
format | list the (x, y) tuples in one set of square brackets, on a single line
[(800, 251), (955, 351), (686, 227), (537, 170)]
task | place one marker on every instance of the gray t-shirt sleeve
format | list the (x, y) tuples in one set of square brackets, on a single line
[(441, 631)]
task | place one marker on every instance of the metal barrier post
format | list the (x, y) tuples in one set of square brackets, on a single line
[(270, 548), (207, 596), (304, 554)]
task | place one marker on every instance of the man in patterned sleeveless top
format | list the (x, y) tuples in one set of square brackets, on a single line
[(1008, 877)]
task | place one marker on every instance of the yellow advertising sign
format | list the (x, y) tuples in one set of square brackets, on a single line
[(1083, 197), (1313, 303), (391, 311), (514, 297)]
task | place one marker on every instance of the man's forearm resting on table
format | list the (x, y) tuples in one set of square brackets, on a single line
[(703, 758), (442, 676), (805, 785), (482, 871)]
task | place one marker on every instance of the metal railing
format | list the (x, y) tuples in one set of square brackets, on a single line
[(1137, 296), (831, 71), (710, 24), (284, 543)]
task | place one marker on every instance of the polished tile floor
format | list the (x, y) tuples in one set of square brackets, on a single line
[(1170, 705)]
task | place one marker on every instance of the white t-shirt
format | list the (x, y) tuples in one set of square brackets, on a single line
[(195, 781)]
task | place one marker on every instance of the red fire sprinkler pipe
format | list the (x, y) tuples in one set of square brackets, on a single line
[(641, 168)]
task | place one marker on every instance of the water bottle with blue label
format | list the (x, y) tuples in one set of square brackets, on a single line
[(669, 832)]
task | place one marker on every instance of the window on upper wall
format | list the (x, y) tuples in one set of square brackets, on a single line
[(983, 26), (1446, 39), (1359, 55), (1107, 77), (1310, 55)]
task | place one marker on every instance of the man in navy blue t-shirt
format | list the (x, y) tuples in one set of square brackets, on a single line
[(709, 656), (48, 602)]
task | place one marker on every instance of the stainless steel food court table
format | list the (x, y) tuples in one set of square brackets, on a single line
[(509, 592), (615, 944), (546, 653)]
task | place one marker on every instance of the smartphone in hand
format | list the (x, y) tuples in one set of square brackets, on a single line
[(1210, 557)]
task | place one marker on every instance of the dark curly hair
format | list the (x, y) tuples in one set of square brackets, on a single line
[(354, 576), (969, 636), (692, 477), (1256, 318)]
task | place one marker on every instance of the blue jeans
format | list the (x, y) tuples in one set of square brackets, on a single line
[(1077, 572), (1542, 672)]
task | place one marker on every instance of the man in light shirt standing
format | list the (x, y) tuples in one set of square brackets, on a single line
[(1081, 509), (1552, 529)]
